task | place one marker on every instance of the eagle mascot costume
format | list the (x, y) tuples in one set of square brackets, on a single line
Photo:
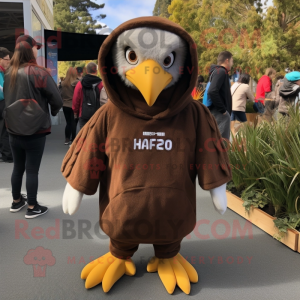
[(146, 146)]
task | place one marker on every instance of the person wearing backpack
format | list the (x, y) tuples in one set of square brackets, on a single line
[(86, 99), (29, 89), (217, 95)]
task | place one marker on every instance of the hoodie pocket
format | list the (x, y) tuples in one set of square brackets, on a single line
[(149, 215)]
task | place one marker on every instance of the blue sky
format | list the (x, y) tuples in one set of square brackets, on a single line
[(119, 11)]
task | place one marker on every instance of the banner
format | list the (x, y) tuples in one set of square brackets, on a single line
[(51, 57)]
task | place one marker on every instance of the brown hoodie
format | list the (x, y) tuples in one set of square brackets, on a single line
[(147, 158)]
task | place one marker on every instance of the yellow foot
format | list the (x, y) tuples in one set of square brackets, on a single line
[(174, 270), (106, 269)]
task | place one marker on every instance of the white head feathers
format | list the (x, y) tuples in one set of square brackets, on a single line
[(166, 48)]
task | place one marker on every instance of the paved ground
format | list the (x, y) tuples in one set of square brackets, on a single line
[(253, 267)]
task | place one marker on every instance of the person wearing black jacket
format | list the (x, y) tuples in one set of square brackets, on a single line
[(220, 94), (28, 85)]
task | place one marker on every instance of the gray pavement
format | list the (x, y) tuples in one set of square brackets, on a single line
[(253, 266)]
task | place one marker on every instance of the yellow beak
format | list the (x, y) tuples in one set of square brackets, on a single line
[(150, 79)]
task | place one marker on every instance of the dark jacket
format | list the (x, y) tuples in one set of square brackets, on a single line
[(219, 90), (288, 93), (87, 82), (44, 91), (67, 93)]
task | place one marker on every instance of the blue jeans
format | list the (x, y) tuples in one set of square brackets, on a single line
[(27, 153)]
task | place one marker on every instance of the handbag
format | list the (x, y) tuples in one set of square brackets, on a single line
[(25, 116), (259, 107)]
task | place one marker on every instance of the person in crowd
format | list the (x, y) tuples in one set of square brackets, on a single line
[(5, 56), (279, 82), (288, 92), (86, 99), (32, 88), (240, 92), (67, 92), (264, 85), (79, 73), (103, 96), (198, 91), (220, 94), (61, 79)]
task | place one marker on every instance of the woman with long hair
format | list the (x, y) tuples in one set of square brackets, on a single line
[(29, 89), (67, 91)]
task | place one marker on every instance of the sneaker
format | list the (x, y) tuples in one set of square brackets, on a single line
[(37, 211), (18, 206), (67, 141)]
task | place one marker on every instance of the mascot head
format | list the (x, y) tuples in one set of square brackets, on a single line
[(150, 60)]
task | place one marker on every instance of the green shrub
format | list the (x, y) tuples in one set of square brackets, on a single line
[(270, 155), (249, 107)]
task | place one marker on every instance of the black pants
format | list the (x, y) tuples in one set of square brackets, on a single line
[(27, 154), (71, 123), (82, 122), (4, 139)]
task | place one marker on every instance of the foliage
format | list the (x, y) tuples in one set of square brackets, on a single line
[(63, 66), (75, 16), (254, 198), (258, 39), (271, 156), (249, 107), (161, 8)]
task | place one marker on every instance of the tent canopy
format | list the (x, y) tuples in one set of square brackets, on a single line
[(74, 46)]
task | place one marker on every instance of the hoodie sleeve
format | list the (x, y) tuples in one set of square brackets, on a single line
[(218, 79), (212, 162), (84, 164), (54, 97)]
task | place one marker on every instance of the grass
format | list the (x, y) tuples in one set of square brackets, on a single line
[(270, 153)]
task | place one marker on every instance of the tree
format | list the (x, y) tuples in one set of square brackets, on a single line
[(161, 8), (75, 16), (256, 38)]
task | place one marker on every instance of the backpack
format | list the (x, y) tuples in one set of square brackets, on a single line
[(25, 116), (90, 103), (207, 101)]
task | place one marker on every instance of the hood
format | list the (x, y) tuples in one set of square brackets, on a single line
[(288, 88), (88, 81), (171, 100), (213, 67)]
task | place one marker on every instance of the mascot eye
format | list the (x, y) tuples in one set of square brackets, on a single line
[(169, 60), (131, 56)]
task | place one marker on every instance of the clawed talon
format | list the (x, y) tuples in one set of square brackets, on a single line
[(107, 269), (172, 271)]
